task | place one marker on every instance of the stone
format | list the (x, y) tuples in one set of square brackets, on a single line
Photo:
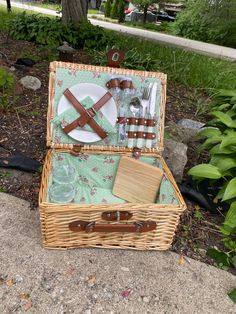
[(146, 299), (30, 82), (190, 124), (180, 134), (175, 155)]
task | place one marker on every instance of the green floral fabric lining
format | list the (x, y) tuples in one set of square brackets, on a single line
[(96, 175), (67, 78)]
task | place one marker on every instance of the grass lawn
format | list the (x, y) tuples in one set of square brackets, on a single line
[(187, 68)]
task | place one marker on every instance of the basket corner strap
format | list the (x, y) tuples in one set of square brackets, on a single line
[(135, 227)]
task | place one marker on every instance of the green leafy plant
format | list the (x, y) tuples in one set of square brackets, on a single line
[(133, 59), (114, 10), (220, 141), (108, 6), (52, 32), (6, 88), (208, 21), (121, 11)]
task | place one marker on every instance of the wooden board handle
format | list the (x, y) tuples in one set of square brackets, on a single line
[(116, 215), (87, 226)]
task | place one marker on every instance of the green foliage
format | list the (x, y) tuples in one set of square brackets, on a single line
[(6, 88), (121, 11), (133, 59), (52, 32), (232, 295), (114, 10), (220, 141), (108, 6), (209, 21)]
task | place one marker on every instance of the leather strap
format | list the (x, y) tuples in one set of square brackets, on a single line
[(144, 135), (86, 115), (91, 112), (136, 121), (116, 215), (138, 227)]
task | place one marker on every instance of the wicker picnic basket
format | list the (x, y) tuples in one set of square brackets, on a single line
[(128, 225)]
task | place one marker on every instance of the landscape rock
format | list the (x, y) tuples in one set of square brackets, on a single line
[(190, 124), (181, 134), (50, 277), (175, 155), (30, 82)]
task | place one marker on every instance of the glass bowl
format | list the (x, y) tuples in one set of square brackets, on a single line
[(64, 175), (61, 193)]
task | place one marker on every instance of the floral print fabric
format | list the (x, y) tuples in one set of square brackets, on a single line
[(96, 174)]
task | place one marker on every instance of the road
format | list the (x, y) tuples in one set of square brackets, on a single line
[(184, 43)]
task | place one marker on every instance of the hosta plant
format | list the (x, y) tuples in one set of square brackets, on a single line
[(220, 142)]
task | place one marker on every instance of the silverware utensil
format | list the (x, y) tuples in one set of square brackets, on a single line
[(135, 108)]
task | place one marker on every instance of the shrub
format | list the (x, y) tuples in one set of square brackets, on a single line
[(114, 10), (6, 88), (52, 32), (121, 11), (208, 21), (220, 142), (107, 12)]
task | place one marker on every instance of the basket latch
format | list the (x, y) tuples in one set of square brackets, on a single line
[(136, 153), (76, 150)]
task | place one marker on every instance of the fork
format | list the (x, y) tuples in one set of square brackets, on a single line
[(144, 104)]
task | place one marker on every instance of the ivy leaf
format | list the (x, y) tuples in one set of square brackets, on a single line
[(205, 171), (230, 191), (232, 295)]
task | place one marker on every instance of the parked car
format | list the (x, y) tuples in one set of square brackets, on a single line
[(163, 16), (137, 16)]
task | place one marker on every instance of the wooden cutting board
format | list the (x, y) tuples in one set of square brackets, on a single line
[(136, 181)]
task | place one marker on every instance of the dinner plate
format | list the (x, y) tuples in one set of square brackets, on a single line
[(81, 91)]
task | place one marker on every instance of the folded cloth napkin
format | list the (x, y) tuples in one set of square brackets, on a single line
[(72, 114)]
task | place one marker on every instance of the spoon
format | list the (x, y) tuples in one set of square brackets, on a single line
[(135, 108)]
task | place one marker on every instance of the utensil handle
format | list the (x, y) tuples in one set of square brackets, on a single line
[(136, 227), (132, 128), (140, 140)]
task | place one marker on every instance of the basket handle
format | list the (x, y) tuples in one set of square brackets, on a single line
[(116, 215), (87, 226)]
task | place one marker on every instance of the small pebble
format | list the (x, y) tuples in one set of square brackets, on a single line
[(88, 311), (146, 299), (18, 279), (124, 268)]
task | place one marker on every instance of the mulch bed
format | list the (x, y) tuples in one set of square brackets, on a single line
[(23, 128)]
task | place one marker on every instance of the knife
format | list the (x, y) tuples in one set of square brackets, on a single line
[(152, 112), (152, 108)]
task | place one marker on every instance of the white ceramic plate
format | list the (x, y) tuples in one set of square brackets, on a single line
[(81, 91)]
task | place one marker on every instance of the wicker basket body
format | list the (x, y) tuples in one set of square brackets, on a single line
[(55, 218)]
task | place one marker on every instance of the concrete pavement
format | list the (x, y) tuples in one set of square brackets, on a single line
[(188, 44), (99, 281)]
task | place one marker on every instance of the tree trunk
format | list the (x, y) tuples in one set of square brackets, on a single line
[(8, 5), (74, 10), (145, 13)]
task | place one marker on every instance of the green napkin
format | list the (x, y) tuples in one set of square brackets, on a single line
[(72, 114)]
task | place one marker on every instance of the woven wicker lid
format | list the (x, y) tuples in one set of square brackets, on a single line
[(64, 75)]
